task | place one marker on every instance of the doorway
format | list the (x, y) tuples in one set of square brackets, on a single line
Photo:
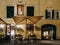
[(10, 32), (48, 32)]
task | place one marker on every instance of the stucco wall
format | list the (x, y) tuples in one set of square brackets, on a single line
[(34, 3), (39, 6), (2, 8), (39, 10), (53, 22)]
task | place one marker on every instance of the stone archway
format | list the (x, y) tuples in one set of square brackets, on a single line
[(48, 32)]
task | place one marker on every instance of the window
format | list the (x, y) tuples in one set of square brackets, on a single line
[(49, 14), (30, 11), (58, 14), (30, 27), (8, 29), (20, 9), (10, 11), (45, 33)]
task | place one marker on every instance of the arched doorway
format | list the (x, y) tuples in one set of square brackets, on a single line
[(48, 32)]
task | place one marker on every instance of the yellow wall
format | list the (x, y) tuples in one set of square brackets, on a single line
[(14, 3), (39, 10), (2, 8), (53, 22), (40, 6)]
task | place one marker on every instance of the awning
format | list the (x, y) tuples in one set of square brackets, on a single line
[(2, 21), (27, 19), (9, 21)]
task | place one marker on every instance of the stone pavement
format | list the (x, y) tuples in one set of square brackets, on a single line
[(41, 42), (56, 42)]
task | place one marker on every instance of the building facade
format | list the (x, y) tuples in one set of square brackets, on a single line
[(46, 28)]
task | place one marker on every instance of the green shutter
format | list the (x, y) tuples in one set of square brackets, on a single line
[(10, 11)]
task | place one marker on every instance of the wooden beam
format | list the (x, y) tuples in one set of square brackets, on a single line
[(3, 20)]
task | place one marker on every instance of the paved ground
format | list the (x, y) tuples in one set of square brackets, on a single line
[(41, 42), (51, 42)]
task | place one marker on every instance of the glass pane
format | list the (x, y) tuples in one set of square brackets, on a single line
[(30, 27), (20, 9)]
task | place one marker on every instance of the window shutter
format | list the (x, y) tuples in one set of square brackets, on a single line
[(10, 11), (46, 14), (52, 14), (30, 11)]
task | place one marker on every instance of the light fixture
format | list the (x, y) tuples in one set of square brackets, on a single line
[(1, 26), (19, 26)]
